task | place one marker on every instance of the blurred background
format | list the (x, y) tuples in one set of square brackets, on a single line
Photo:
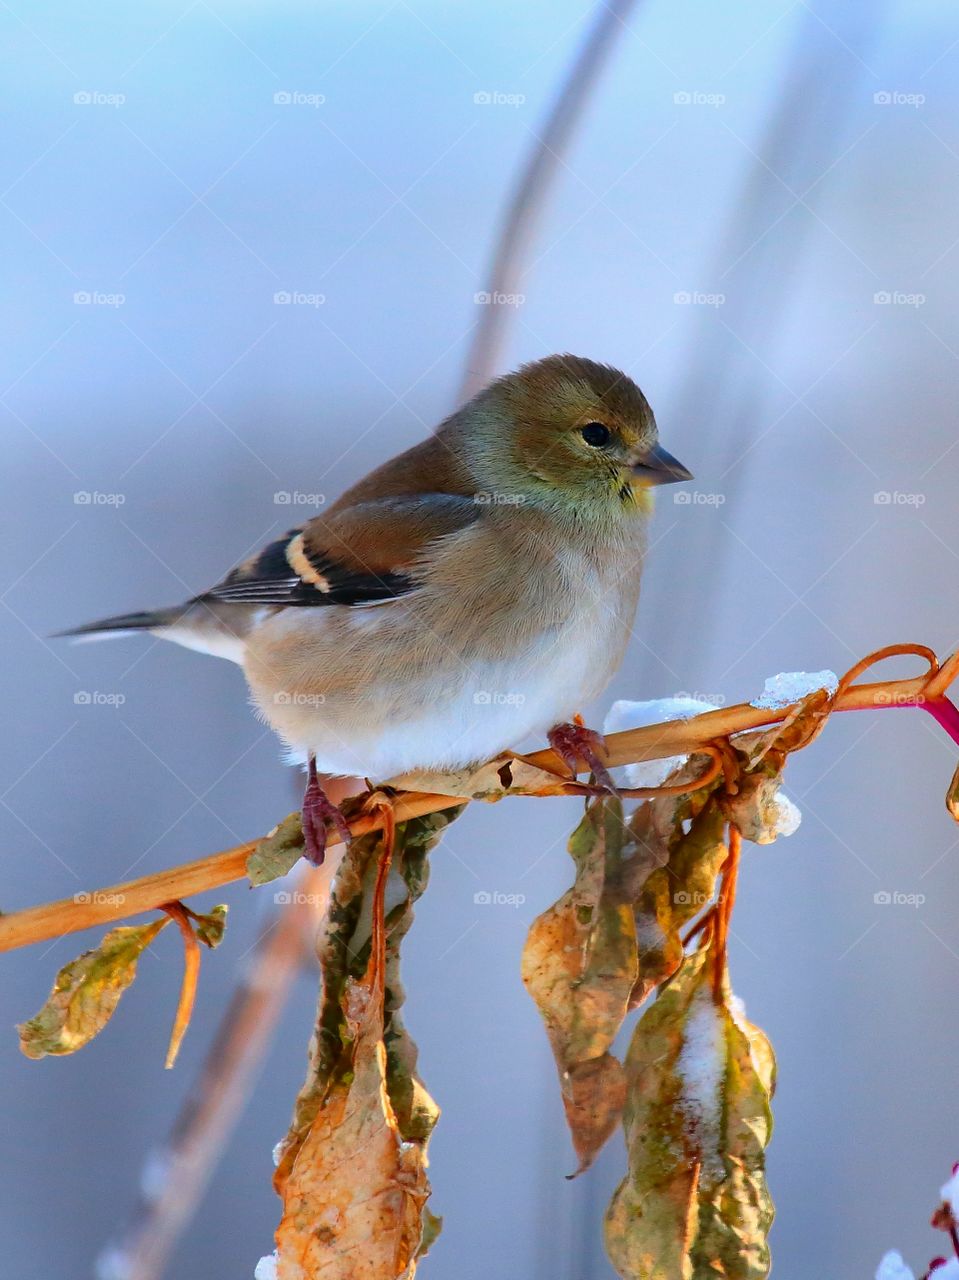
[(756, 219)]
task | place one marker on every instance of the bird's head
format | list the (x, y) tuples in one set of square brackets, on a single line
[(580, 433)]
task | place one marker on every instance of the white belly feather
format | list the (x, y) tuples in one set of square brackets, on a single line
[(459, 714)]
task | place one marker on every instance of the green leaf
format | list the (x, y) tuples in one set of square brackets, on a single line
[(87, 991), (211, 927), (277, 853), (694, 1204)]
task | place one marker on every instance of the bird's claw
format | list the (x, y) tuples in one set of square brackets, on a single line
[(574, 743), (318, 813)]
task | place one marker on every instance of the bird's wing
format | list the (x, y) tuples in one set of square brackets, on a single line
[(361, 554)]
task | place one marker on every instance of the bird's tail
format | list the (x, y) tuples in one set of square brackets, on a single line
[(124, 622)]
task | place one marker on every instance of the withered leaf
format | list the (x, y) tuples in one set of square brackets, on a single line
[(681, 886), (277, 853), (354, 1197), (352, 1169), (506, 775), (952, 796), (694, 1203), (594, 1092), (211, 927), (87, 991), (579, 965)]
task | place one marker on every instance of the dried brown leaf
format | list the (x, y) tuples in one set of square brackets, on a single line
[(352, 1171)]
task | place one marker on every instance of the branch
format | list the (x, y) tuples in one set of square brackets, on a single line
[(653, 742)]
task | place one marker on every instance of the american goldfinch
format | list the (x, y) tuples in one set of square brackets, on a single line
[(475, 589)]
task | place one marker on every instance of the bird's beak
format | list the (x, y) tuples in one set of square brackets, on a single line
[(656, 466)]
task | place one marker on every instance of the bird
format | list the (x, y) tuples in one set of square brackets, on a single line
[(472, 591)]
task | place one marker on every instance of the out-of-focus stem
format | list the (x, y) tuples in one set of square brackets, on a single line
[(532, 188)]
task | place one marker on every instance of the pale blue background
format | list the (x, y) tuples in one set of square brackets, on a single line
[(197, 399)]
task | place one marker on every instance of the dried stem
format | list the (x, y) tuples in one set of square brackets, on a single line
[(654, 742), (191, 975), (724, 910)]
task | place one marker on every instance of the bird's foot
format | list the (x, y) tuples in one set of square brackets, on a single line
[(319, 813), (574, 743)]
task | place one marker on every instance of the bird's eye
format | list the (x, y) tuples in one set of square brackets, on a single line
[(595, 434)]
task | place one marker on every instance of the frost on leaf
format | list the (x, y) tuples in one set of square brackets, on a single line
[(699, 1079), (352, 1169), (87, 991), (580, 966)]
